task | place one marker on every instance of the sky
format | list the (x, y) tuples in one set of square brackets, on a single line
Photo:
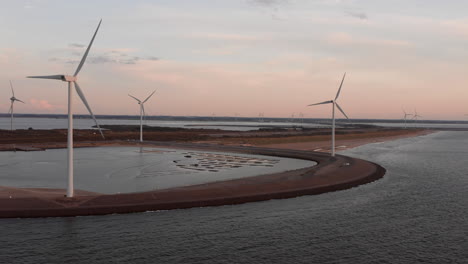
[(239, 57)]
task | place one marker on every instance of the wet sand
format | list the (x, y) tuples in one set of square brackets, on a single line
[(346, 143)]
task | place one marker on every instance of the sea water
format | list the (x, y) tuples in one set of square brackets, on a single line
[(416, 213)]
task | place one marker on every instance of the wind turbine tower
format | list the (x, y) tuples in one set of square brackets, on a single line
[(13, 99), (334, 104), (416, 116), (72, 81), (405, 116), (142, 111)]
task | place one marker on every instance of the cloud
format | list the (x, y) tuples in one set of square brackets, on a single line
[(266, 2), (342, 38), (76, 45), (224, 36), (106, 56), (359, 15), (38, 104), (272, 7)]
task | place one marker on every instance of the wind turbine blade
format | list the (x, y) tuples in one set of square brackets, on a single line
[(341, 110), (149, 96), (87, 51), (339, 90), (135, 98), (12, 91), (326, 102), (53, 77), (11, 108), (85, 102), (143, 109), (19, 100)]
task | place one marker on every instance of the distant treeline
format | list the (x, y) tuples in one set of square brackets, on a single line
[(238, 119)]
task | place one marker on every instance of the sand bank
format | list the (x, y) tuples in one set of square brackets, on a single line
[(330, 174)]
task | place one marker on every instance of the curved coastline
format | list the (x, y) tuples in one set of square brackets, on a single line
[(330, 174)]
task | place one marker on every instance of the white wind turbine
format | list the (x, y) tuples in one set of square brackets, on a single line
[(72, 80), (12, 99), (334, 103), (142, 111), (405, 115)]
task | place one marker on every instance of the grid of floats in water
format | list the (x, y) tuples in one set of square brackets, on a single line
[(216, 162)]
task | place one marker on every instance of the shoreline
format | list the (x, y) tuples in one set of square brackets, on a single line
[(330, 174), (344, 144)]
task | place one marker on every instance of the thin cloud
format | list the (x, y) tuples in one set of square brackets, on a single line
[(76, 45), (272, 7), (358, 15), (268, 3), (106, 56), (109, 59), (342, 38), (225, 37), (42, 105)]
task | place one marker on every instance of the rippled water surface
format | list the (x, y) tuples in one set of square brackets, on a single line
[(416, 213)]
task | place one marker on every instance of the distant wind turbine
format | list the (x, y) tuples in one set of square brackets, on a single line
[(334, 103), (72, 80), (292, 117), (12, 99), (405, 115), (142, 111), (416, 116), (260, 117)]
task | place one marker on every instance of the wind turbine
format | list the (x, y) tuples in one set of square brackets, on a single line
[(72, 80), (334, 103), (415, 116), (292, 117), (12, 99), (301, 115), (142, 111), (405, 116)]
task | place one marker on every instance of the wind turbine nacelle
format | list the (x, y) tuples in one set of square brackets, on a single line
[(68, 78)]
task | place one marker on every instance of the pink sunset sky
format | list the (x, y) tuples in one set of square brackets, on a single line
[(240, 57)]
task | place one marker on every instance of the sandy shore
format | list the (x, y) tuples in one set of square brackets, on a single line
[(343, 143)]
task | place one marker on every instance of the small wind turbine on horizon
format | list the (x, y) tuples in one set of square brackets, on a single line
[(72, 80), (405, 115), (260, 117), (292, 117), (334, 103), (416, 116), (13, 99), (142, 111)]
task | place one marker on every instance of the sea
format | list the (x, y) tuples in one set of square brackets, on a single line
[(417, 213)]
